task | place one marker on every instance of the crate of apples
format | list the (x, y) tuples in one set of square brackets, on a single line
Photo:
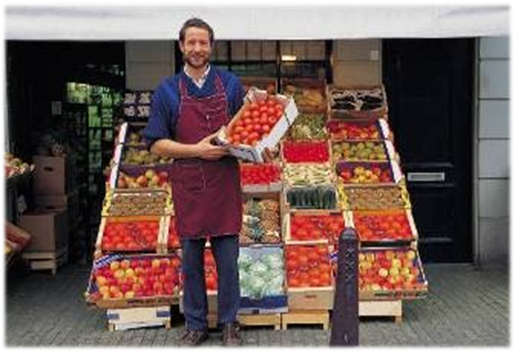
[(128, 235), (391, 271), (307, 227), (358, 130), (142, 178), (305, 152), (260, 177), (384, 226), (132, 281), (356, 173)]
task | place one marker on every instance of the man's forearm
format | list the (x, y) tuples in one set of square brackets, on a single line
[(175, 150)]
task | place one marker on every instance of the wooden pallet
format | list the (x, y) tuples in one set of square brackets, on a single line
[(251, 320), (141, 317), (46, 260), (381, 309), (306, 317)]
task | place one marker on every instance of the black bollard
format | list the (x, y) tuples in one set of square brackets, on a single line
[(345, 319)]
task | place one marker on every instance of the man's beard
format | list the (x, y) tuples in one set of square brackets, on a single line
[(203, 61)]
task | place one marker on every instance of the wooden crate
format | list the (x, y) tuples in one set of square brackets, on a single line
[(305, 317), (46, 260), (311, 298), (133, 318), (251, 320), (381, 112), (381, 309)]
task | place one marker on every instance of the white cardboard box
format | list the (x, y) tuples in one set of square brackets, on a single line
[(255, 154)]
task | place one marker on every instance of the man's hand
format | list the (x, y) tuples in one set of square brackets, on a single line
[(207, 151)]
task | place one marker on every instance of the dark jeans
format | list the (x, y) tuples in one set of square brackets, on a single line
[(225, 251)]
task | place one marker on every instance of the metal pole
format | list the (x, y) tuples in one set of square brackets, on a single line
[(345, 319)]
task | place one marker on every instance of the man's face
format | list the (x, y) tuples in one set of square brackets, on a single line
[(196, 48)]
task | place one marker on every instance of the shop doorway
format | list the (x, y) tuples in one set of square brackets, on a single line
[(429, 83)]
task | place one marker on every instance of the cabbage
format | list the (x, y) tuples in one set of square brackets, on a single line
[(256, 285), (274, 287), (244, 261), (258, 269), (274, 261)]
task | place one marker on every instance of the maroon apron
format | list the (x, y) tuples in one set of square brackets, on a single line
[(206, 194)]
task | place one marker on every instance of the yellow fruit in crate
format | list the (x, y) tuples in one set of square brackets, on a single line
[(156, 263), (389, 255), (104, 290), (129, 272), (106, 295), (125, 264), (396, 263), (394, 271), (361, 257), (118, 274), (114, 265), (383, 272), (405, 271), (101, 281), (411, 254), (114, 289), (370, 257), (129, 294), (375, 287)]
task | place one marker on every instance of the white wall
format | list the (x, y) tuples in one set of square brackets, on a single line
[(147, 63), (493, 143)]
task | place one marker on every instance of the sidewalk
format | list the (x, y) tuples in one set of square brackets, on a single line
[(465, 307)]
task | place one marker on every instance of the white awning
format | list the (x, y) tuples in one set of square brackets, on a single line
[(236, 22)]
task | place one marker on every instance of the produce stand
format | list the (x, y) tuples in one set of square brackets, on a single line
[(347, 176)]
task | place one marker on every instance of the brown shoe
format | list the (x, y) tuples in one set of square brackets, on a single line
[(193, 337), (231, 335)]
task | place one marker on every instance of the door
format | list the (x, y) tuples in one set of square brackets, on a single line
[(429, 85)]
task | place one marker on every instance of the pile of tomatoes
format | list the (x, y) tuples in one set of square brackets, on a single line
[(210, 270), (315, 227), (259, 174), (390, 226), (256, 122), (173, 236), (130, 236), (305, 152), (366, 174), (308, 266)]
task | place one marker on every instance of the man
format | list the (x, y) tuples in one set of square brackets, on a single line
[(187, 110)]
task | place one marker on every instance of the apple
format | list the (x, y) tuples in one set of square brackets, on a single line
[(101, 281), (149, 174), (142, 181), (125, 264), (129, 272), (118, 274), (383, 272), (114, 265), (129, 294)]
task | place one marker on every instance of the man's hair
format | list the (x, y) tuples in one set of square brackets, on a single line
[(198, 23)]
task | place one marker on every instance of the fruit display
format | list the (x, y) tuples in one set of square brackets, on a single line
[(365, 173), (261, 221), (15, 166), (255, 122), (210, 272), (320, 197), (125, 277), (307, 98), (259, 174), (141, 203), (305, 227), (308, 265), (143, 179), (359, 151), (357, 99), (173, 240), (298, 175), (140, 156), (261, 272), (363, 130), (308, 127), (378, 226), (305, 152), (130, 236), (134, 139), (390, 270), (363, 198)]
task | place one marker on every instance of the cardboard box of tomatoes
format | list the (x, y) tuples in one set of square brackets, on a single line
[(260, 124)]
